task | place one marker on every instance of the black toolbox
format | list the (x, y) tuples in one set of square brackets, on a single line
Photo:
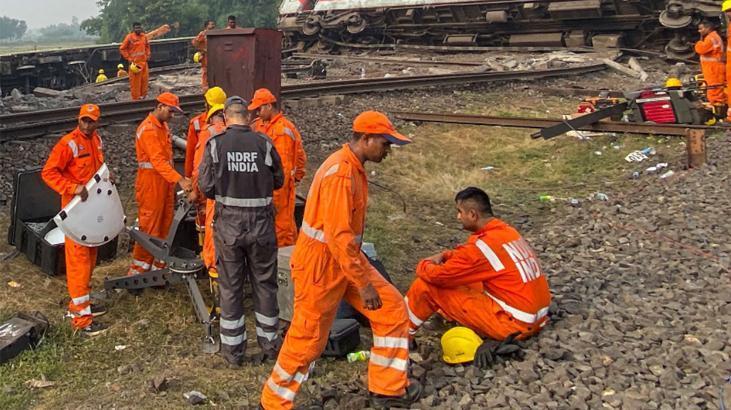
[(344, 338), (33, 207)]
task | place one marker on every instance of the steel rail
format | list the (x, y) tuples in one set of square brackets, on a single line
[(525, 122), (38, 123)]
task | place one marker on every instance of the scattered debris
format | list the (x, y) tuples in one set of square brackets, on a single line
[(601, 196), (119, 348), (621, 68), (195, 397), (159, 384), (13, 284), (546, 198), (487, 168), (635, 65), (667, 174), (39, 384), (657, 167)]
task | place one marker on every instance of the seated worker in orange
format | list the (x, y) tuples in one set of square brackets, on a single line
[(215, 125), (288, 142), (135, 48), (328, 266), (156, 178), (213, 96), (492, 284), (710, 50), (71, 164), (200, 42)]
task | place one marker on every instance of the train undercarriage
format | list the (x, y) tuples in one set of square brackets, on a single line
[(668, 24)]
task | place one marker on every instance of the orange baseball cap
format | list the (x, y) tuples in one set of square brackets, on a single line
[(90, 111), (171, 100), (374, 122), (261, 96)]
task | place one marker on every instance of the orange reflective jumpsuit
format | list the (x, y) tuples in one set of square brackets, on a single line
[(288, 142), (195, 126), (209, 250), (72, 162), (200, 42), (154, 186), (327, 266), (136, 49), (710, 49), (492, 284)]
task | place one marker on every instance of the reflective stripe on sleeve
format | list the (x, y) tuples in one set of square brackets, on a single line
[(73, 147), (495, 262), (268, 159), (519, 314), (214, 152), (196, 125), (145, 165), (333, 169), (243, 202)]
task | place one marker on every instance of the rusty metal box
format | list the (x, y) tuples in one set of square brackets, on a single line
[(241, 60)]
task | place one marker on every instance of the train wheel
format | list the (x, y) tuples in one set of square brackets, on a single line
[(679, 47), (356, 24), (311, 26)]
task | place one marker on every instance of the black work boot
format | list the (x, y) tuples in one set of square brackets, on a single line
[(412, 395)]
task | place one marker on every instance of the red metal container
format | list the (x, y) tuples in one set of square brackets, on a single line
[(241, 60), (657, 107)]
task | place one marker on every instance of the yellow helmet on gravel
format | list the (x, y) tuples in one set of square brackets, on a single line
[(459, 345), (726, 6)]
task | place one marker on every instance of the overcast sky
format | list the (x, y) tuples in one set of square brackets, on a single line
[(41, 13)]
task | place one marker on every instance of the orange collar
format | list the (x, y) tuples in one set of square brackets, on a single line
[(349, 152), (77, 133), (155, 121), (491, 224)]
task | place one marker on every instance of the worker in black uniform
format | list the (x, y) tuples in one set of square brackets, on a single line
[(240, 170)]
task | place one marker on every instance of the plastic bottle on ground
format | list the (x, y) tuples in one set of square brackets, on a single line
[(361, 356)]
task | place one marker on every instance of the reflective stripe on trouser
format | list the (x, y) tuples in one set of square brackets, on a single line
[(80, 262), (284, 202), (155, 201), (138, 82), (714, 74), (317, 294), (246, 245), (467, 305)]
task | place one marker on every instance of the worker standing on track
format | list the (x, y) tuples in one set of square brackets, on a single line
[(101, 77), (215, 125), (240, 170), (710, 50), (120, 71), (328, 266), (136, 49), (200, 42), (288, 142), (72, 162), (492, 284), (156, 178), (214, 96), (726, 9)]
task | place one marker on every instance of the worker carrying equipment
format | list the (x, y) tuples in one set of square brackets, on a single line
[(135, 48), (288, 142), (101, 77), (121, 72), (240, 170), (492, 284), (327, 266), (710, 50), (72, 162), (200, 42), (156, 178), (214, 96)]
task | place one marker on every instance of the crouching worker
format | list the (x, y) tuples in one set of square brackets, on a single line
[(240, 170), (71, 164), (492, 284)]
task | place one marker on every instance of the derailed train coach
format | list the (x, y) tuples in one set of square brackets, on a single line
[(572, 23)]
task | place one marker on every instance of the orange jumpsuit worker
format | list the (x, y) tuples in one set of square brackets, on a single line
[(288, 142), (121, 72), (710, 49), (136, 49), (726, 9), (214, 96), (216, 125), (156, 178), (328, 265), (492, 284), (71, 164), (200, 42)]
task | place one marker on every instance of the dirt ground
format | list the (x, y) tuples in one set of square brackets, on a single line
[(411, 215)]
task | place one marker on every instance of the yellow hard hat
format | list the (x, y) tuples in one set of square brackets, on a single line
[(214, 109), (101, 71), (197, 57), (459, 345), (674, 82), (134, 68), (120, 66), (215, 96), (726, 6)]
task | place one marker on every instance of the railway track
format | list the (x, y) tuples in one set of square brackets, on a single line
[(38, 123), (538, 123)]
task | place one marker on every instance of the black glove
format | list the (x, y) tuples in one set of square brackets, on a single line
[(492, 351)]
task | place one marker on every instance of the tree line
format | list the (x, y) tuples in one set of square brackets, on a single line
[(12, 29), (116, 16)]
